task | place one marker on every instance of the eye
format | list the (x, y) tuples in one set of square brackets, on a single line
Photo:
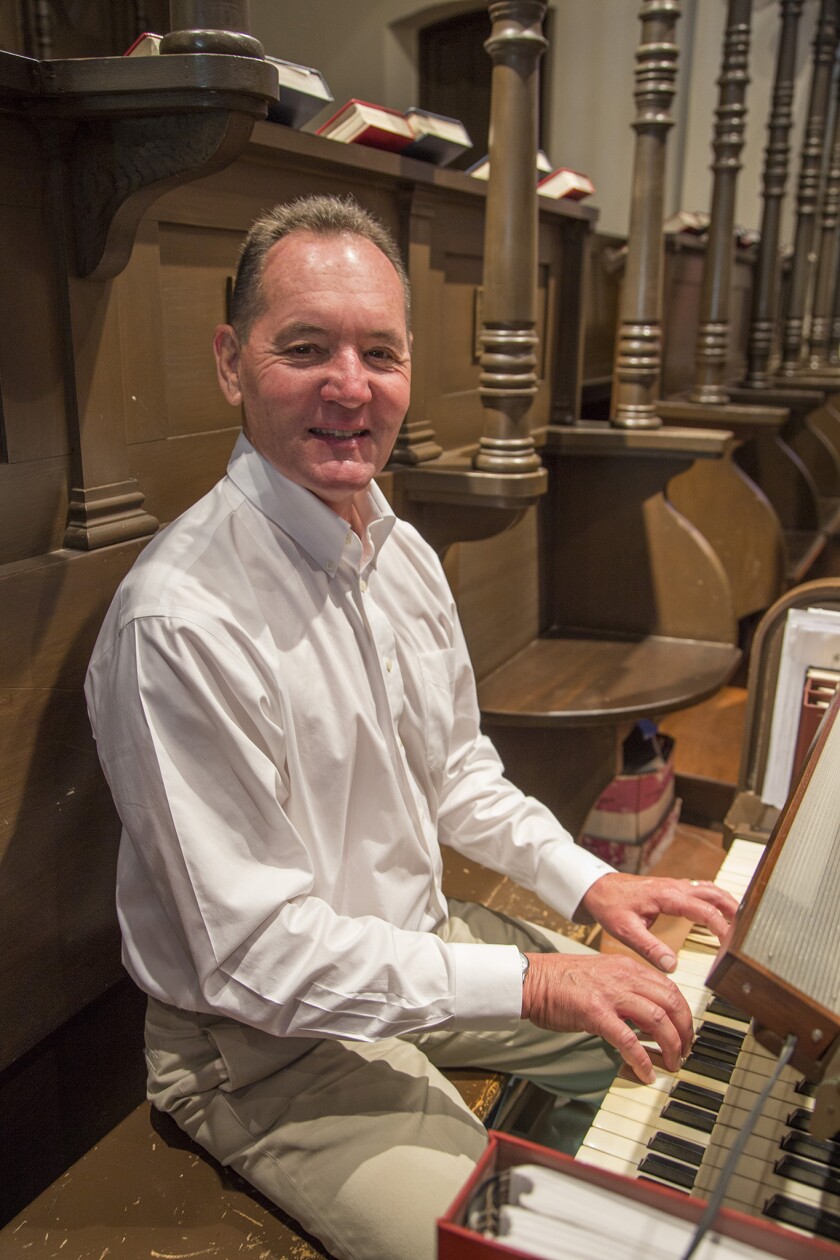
[(381, 354)]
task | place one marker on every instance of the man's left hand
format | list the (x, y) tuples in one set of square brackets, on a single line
[(626, 906)]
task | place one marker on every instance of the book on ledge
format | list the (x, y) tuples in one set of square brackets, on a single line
[(481, 169), (359, 122), (566, 183), (301, 90), (437, 139)]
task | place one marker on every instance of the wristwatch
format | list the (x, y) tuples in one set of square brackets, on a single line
[(526, 963)]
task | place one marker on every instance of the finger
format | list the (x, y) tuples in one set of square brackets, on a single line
[(625, 1041), (652, 1023), (648, 946), (704, 890)]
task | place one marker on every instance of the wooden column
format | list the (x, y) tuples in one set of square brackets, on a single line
[(639, 352), (211, 26), (819, 336), (808, 191), (508, 380), (727, 144), (764, 312)]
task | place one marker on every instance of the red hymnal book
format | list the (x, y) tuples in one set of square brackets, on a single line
[(359, 122)]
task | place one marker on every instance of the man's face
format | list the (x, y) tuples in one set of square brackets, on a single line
[(324, 376)]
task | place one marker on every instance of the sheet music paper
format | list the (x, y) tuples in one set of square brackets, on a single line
[(801, 901), (811, 638)]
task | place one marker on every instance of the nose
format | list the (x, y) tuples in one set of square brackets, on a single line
[(346, 381)]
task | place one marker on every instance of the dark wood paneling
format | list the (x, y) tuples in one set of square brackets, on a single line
[(59, 829)]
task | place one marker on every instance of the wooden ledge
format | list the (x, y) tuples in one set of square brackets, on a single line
[(449, 501), (562, 682), (598, 437), (798, 400), (744, 421)]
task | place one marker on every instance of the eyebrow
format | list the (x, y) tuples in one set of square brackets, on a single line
[(299, 328)]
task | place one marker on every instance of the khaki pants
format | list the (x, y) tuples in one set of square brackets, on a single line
[(365, 1144)]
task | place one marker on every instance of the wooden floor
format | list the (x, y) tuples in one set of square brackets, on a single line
[(707, 744)]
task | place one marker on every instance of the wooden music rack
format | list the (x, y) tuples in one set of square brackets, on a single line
[(781, 965)]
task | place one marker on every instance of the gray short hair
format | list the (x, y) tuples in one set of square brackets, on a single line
[(324, 216)]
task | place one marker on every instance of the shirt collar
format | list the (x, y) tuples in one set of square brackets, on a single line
[(301, 514)]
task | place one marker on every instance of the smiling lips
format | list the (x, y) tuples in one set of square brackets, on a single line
[(339, 433)]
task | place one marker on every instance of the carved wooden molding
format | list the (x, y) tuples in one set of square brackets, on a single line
[(119, 166), (132, 128)]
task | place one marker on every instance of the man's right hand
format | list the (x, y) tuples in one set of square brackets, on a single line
[(604, 994)]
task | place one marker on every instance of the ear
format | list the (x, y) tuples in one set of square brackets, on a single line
[(227, 350)]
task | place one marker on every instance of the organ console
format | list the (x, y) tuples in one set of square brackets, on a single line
[(775, 978)]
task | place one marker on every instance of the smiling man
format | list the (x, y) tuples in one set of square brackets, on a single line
[(286, 714)]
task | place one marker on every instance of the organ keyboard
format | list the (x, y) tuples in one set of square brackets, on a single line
[(679, 1130)]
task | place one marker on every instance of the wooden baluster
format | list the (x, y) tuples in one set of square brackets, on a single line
[(727, 144), (639, 352), (211, 26), (508, 380), (764, 312), (819, 338), (810, 175)]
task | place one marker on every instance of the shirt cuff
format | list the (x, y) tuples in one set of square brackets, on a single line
[(566, 873), (488, 985)]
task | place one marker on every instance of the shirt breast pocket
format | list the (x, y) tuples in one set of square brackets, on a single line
[(437, 670)]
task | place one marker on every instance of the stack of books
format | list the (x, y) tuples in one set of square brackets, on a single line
[(417, 133), (301, 91)]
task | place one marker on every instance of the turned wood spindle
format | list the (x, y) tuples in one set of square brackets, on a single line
[(808, 190), (508, 380), (727, 144), (822, 310), (639, 349), (764, 311)]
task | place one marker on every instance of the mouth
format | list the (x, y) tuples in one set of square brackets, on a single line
[(339, 434)]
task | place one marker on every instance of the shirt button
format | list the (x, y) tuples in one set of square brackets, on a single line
[(348, 538), (330, 567), (389, 664), (363, 586)]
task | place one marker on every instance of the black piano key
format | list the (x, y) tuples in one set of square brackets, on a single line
[(720, 1006), (800, 1119), (677, 1148), (726, 1036), (668, 1170), (698, 1096), (808, 1088), (703, 1065), (691, 1117), (808, 1173), (803, 1216), (709, 1047), (822, 1150)]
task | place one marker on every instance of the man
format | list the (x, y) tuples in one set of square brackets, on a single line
[(286, 715)]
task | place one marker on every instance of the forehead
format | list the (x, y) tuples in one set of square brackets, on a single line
[(311, 265)]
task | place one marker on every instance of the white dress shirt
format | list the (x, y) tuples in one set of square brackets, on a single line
[(286, 716)]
